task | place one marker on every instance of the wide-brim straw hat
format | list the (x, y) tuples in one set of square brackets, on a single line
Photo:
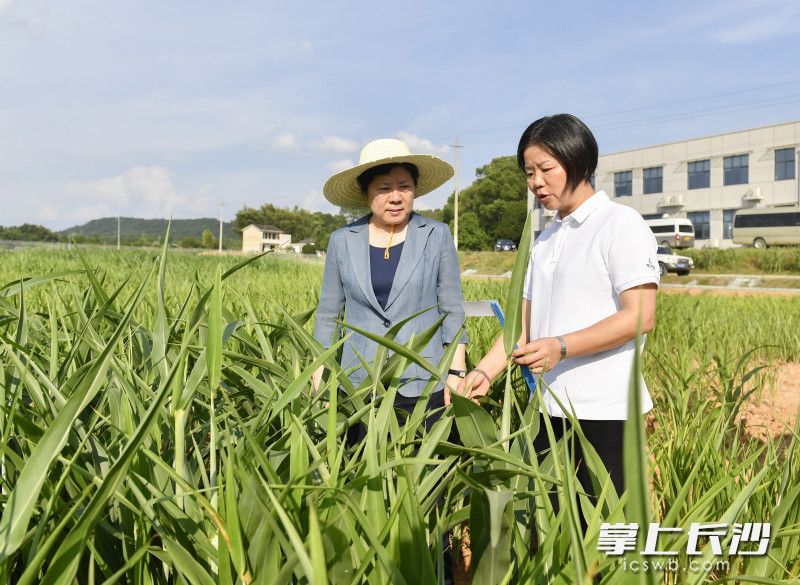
[(342, 189)]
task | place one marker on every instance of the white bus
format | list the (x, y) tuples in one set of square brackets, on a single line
[(767, 226), (675, 232)]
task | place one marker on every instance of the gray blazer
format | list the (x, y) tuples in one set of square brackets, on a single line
[(427, 276)]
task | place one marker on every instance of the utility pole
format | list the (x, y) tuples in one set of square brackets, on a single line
[(457, 146), (221, 205), (119, 232)]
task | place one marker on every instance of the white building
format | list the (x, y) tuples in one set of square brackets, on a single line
[(298, 246), (260, 238), (705, 179)]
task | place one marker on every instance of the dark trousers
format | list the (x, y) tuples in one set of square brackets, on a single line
[(606, 438), (435, 409)]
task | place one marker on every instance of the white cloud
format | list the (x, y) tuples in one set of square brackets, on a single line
[(148, 190), (738, 22), (306, 48), (89, 212), (422, 145), (781, 21), (48, 213), (337, 144), (314, 200), (285, 142), (340, 165)]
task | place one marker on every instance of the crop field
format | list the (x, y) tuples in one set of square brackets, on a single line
[(158, 426)]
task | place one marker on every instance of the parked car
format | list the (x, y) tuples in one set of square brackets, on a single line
[(669, 262), (504, 246), (675, 232)]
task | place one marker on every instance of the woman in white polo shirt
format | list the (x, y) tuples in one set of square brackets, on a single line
[(592, 276)]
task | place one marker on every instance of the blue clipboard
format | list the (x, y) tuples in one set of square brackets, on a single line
[(492, 308)]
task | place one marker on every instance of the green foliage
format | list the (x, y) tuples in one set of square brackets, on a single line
[(190, 242), (309, 249), (785, 260), (779, 260), (207, 239), (27, 232), (499, 200), (158, 426), (144, 232), (436, 214), (470, 233)]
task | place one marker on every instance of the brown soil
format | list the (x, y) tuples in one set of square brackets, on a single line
[(770, 414)]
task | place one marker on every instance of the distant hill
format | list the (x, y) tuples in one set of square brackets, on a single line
[(135, 228)]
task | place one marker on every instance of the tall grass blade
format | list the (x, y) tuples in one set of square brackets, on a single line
[(512, 328)]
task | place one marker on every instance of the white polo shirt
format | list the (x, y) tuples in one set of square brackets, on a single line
[(579, 265)]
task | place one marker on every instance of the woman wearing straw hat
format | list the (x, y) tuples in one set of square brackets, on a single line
[(390, 265)]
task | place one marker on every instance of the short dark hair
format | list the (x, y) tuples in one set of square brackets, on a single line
[(365, 178), (566, 138)]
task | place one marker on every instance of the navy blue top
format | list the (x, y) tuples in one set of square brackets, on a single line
[(383, 270)]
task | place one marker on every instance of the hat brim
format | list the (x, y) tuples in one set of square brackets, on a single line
[(342, 189)]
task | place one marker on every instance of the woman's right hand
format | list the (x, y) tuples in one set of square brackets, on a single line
[(474, 385)]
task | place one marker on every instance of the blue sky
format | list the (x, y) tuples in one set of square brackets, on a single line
[(155, 108)]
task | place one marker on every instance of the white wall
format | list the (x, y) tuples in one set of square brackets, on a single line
[(758, 143)]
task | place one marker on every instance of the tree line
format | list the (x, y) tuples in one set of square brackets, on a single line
[(491, 208), (28, 232)]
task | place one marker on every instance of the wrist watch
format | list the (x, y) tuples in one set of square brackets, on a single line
[(563, 346), (460, 373)]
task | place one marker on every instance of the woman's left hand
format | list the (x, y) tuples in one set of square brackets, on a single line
[(540, 355), (452, 382)]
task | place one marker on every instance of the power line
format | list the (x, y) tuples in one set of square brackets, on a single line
[(643, 108), (611, 126), (691, 100), (778, 101)]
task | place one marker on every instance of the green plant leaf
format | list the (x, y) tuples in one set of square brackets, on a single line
[(512, 329)]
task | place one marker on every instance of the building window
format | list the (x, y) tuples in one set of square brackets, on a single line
[(784, 163), (727, 223), (623, 183), (734, 170), (699, 174), (647, 216), (702, 224), (782, 219), (653, 180)]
